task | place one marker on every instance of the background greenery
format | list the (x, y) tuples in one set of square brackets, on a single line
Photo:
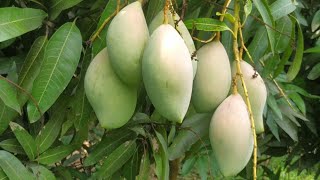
[(282, 37)]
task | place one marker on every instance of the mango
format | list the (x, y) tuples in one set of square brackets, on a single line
[(112, 100), (127, 36), (167, 73), (257, 92), (213, 78), (231, 136), (182, 29)]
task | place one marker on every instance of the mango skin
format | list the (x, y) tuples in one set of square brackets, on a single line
[(111, 99), (257, 92), (231, 136), (127, 36), (183, 30), (213, 78), (167, 73)]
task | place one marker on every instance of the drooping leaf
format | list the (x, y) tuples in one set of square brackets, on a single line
[(315, 24), (206, 24), (154, 8), (12, 145), (13, 167), (131, 168), (6, 115), (8, 94), (281, 8), (163, 151), (258, 46), (294, 88), (288, 126), (188, 165), (315, 72), (56, 6), (17, 21), (272, 103), (55, 154), (283, 37), (144, 167), (31, 68), (116, 159), (3, 175), (25, 139), (62, 55), (264, 10), (315, 49), (41, 172), (7, 43)]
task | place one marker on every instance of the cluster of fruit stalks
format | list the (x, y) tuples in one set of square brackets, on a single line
[(160, 59)]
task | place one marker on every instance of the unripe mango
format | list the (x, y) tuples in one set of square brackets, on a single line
[(231, 136), (182, 29), (167, 73), (213, 78), (257, 92), (126, 39), (111, 99)]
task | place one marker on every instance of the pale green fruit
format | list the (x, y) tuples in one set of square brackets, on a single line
[(183, 30), (167, 73), (213, 78), (111, 99), (231, 136), (126, 39), (257, 92)]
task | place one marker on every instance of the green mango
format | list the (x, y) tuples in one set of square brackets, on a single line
[(181, 28), (213, 79), (112, 100), (231, 136), (127, 36), (167, 73), (257, 92)]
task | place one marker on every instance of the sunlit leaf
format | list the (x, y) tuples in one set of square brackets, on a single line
[(206, 24)]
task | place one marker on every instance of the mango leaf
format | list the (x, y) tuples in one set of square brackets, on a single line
[(8, 95), (17, 21), (25, 139), (282, 38), (3, 175), (288, 126), (116, 159), (55, 154), (107, 145), (202, 166), (192, 129), (315, 72), (296, 64), (297, 99), (56, 6), (7, 43), (156, 155), (281, 8), (206, 24), (258, 45), (163, 150), (131, 168), (62, 56), (6, 115), (264, 10), (154, 8), (247, 8), (12, 145), (188, 165), (31, 68), (41, 172), (315, 24), (294, 88), (272, 103), (13, 168), (144, 171), (315, 49)]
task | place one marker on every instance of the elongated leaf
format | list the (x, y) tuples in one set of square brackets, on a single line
[(281, 8), (116, 159), (144, 167), (12, 145), (154, 8), (25, 139), (188, 165), (315, 72), (17, 21), (3, 175), (8, 95), (273, 125), (42, 173), (56, 6), (55, 154), (282, 40), (271, 101), (259, 45), (315, 24), (13, 168), (62, 56), (206, 24), (315, 49), (163, 150), (7, 43), (289, 127), (264, 10), (108, 144), (31, 68), (296, 64), (294, 88), (131, 168), (6, 115)]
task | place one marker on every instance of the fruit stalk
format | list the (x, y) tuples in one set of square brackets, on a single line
[(165, 10), (239, 73), (224, 10)]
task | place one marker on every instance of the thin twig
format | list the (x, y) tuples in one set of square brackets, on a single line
[(223, 11)]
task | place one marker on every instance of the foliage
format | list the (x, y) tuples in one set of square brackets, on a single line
[(49, 131)]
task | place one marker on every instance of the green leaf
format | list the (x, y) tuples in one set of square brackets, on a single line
[(116, 159), (17, 21), (25, 139), (7, 43), (8, 94), (271, 101), (315, 72), (55, 154), (288, 126), (296, 64), (206, 24), (202, 166), (107, 145), (273, 125), (163, 150), (3, 175), (315, 24), (294, 88), (13, 167), (41, 172), (144, 172), (281, 8), (192, 129), (154, 8), (62, 55), (6, 115), (297, 99), (131, 168), (12, 145), (31, 68), (56, 6), (259, 45), (188, 165), (282, 38), (264, 10), (315, 49), (247, 8)]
